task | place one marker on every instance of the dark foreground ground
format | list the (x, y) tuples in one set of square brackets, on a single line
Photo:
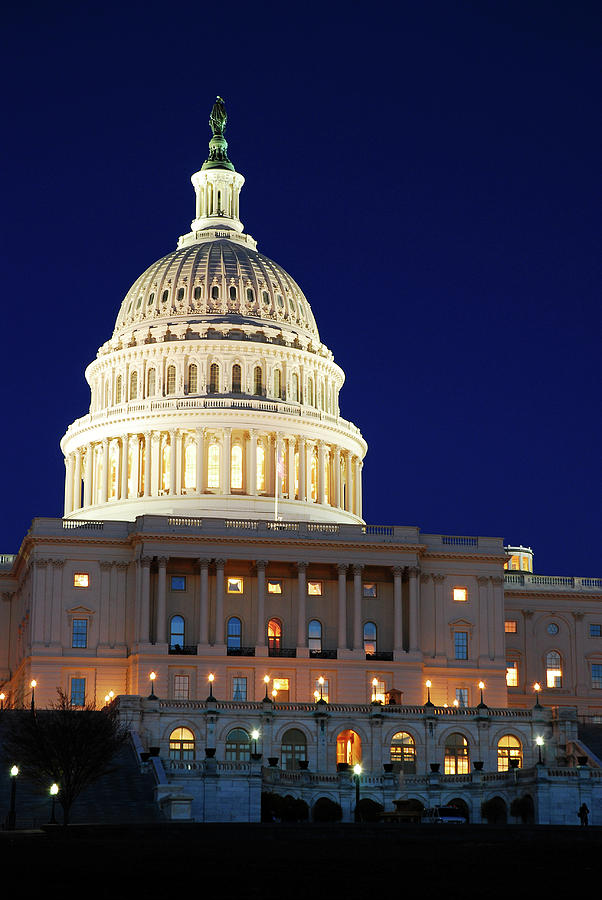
[(294, 861)]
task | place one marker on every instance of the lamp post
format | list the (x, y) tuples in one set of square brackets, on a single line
[(274, 695), (152, 695), (537, 688), (111, 695), (255, 736), (54, 789), (321, 683), (429, 684), (11, 819), (266, 681), (211, 679), (482, 704), (374, 686), (357, 771), (540, 742), (107, 699), (32, 685), (2, 699)]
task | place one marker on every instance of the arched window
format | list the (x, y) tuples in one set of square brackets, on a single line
[(106, 393), (403, 753), (213, 378), (457, 758), (234, 634), (310, 392), (113, 471), (215, 292), (118, 389), (277, 383), (293, 749), (295, 388), (260, 467), (236, 379), (258, 381), (213, 464), (176, 633), (193, 379), (171, 380), (181, 744), (314, 636), (274, 637), (152, 381), (369, 638), (198, 292), (349, 747), (180, 295), (236, 468), (232, 292), (250, 295), (238, 746), (133, 385), (190, 466), (553, 670), (508, 748)]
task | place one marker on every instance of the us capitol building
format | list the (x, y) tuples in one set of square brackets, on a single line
[(213, 535)]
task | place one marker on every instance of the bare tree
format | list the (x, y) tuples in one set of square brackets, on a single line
[(72, 746)]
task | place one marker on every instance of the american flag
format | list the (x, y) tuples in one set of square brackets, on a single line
[(280, 465)]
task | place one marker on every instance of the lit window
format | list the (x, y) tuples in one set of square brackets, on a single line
[(369, 638), (515, 564), (595, 630), (176, 633), (509, 747), (325, 688), (460, 594), (369, 589), (78, 691), (349, 747), (234, 637), (190, 466), (133, 385), (239, 688), (314, 636), (79, 634), (461, 644), (118, 389), (81, 579), (597, 675), (511, 673), (281, 686), (457, 760), (510, 626), (213, 461), (403, 753), (462, 696), (181, 687), (274, 586), (553, 670), (238, 746), (181, 744), (151, 383), (178, 582), (236, 468), (274, 637), (378, 690), (171, 379), (293, 749), (314, 588), (260, 467), (235, 585)]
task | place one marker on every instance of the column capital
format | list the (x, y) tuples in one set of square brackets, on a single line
[(414, 571), (106, 565), (204, 562), (302, 565), (497, 579), (425, 578), (40, 563), (438, 579), (261, 564), (146, 560), (398, 571), (163, 561), (220, 563), (121, 564), (57, 563), (358, 568), (482, 580), (342, 567)]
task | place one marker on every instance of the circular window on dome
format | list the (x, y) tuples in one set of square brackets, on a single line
[(164, 296), (266, 298), (553, 628), (280, 300), (151, 299), (139, 302)]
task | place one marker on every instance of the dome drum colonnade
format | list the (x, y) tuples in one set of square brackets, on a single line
[(202, 337)]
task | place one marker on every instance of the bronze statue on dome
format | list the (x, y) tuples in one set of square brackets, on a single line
[(218, 117)]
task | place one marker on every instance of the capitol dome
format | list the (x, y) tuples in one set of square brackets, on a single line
[(215, 396)]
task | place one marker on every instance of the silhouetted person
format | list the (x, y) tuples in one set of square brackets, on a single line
[(583, 814)]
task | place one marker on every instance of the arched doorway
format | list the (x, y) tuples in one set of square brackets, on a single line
[(461, 806), (349, 748)]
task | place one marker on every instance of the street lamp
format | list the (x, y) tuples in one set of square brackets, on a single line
[(2, 699), (429, 684), (482, 704), (537, 688), (152, 695), (255, 736), (357, 771), (266, 681), (211, 679), (321, 683), (32, 685), (540, 742), (274, 695), (111, 694), (54, 789), (107, 699), (374, 686), (11, 819)]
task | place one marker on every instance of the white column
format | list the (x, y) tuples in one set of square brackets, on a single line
[(414, 608), (226, 460), (301, 604), (161, 601), (337, 476), (172, 462), (219, 601), (321, 473), (104, 491), (135, 474), (69, 484), (397, 609), (357, 608), (155, 455), (261, 632), (349, 483), (291, 468), (200, 459), (302, 475), (77, 480), (309, 453), (356, 472), (342, 610), (145, 563), (204, 602), (124, 467), (88, 475), (179, 466), (360, 489)]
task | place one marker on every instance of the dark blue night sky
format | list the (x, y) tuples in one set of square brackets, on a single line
[(428, 173)]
